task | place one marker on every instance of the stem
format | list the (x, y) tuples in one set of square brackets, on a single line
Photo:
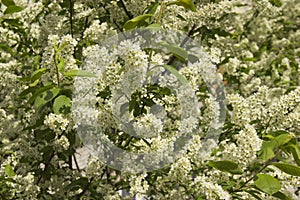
[(161, 11), (125, 9), (184, 41), (77, 47), (265, 165), (128, 141), (46, 167), (56, 67), (76, 163), (70, 162), (85, 188), (48, 162)]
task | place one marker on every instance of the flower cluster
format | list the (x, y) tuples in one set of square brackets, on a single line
[(56, 123)]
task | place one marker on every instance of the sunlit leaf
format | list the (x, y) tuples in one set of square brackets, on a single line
[(152, 8), (61, 65), (154, 27), (267, 149), (37, 74), (45, 97), (188, 4), (131, 24), (8, 170), (283, 139), (61, 104), (267, 183), (81, 73), (40, 91), (6, 48)]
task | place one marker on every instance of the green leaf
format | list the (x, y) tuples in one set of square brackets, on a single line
[(267, 184), (226, 166), (295, 150), (131, 24), (283, 139), (6, 48), (174, 71), (124, 108), (61, 104), (188, 4), (152, 8), (8, 3), (37, 74), (24, 79), (268, 153), (254, 193), (13, 22), (45, 97), (8, 170), (278, 132), (13, 9), (179, 52), (61, 65), (34, 83), (76, 184), (281, 196), (44, 134), (267, 149), (82, 73), (40, 91), (271, 137), (276, 3), (288, 168), (154, 27)]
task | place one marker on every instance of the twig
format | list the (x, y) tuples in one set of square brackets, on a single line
[(81, 36), (76, 163), (48, 162), (265, 165), (184, 41), (56, 67), (70, 162), (125, 9), (85, 188), (46, 167)]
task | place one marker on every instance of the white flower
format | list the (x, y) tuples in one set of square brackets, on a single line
[(56, 122), (62, 142), (148, 125), (138, 185)]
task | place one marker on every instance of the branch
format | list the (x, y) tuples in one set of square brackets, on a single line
[(265, 165), (184, 41), (49, 161), (76, 163), (125, 9), (46, 167), (85, 188), (56, 66), (70, 162)]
